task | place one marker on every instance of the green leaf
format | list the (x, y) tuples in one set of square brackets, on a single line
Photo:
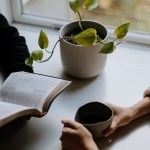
[(87, 37), (121, 31), (74, 5), (37, 55), (43, 40), (29, 61), (108, 48), (90, 4)]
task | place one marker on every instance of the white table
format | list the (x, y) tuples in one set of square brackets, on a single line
[(126, 76)]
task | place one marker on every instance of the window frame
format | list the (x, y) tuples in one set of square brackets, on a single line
[(33, 20), (19, 17)]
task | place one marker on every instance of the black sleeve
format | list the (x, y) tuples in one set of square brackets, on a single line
[(13, 49)]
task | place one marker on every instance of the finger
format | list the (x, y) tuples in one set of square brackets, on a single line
[(110, 130), (108, 104), (66, 141), (71, 124), (65, 147), (113, 107), (67, 131)]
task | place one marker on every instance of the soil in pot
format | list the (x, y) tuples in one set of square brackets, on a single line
[(77, 31)]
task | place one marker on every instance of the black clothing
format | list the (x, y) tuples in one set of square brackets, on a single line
[(13, 49)]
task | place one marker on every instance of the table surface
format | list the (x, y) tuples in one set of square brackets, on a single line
[(126, 76)]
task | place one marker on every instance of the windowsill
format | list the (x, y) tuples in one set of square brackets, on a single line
[(133, 59), (24, 28)]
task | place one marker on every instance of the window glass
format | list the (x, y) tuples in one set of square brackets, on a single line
[(110, 12), (57, 9)]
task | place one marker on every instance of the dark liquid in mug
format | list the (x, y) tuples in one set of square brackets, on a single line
[(94, 118)]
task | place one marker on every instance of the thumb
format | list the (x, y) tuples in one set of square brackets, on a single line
[(70, 124), (110, 130)]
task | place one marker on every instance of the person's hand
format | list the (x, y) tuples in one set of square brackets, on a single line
[(76, 137), (122, 116)]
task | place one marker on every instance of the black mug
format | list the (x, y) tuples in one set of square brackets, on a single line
[(95, 116)]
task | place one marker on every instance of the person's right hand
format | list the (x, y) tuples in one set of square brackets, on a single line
[(122, 116), (76, 137)]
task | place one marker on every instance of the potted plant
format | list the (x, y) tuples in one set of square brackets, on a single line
[(83, 44)]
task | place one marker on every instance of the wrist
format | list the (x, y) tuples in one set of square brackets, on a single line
[(141, 108), (133, 112), (91, 145)]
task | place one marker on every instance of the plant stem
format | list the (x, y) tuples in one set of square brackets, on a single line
[(83, 15), (47, 51), (119, 43), (51, 53), (100, 40), (80, 19)]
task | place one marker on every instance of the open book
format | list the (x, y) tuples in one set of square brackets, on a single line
[(25, 93)]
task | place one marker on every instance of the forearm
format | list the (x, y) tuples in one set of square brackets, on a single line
[(124, 115), (141, 108)]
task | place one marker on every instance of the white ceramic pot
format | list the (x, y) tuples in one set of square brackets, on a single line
[(80, 61)]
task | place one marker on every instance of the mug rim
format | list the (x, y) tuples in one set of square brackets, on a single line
[(101, 122)]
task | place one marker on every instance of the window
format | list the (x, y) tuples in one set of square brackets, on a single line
[(5, 9), (55, 9), (55, 13)]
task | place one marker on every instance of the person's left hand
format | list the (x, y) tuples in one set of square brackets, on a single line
[(76, 137), (122, 116)]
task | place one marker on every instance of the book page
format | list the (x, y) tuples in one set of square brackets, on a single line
[(9, 112), (54, 93), (28, 89)]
